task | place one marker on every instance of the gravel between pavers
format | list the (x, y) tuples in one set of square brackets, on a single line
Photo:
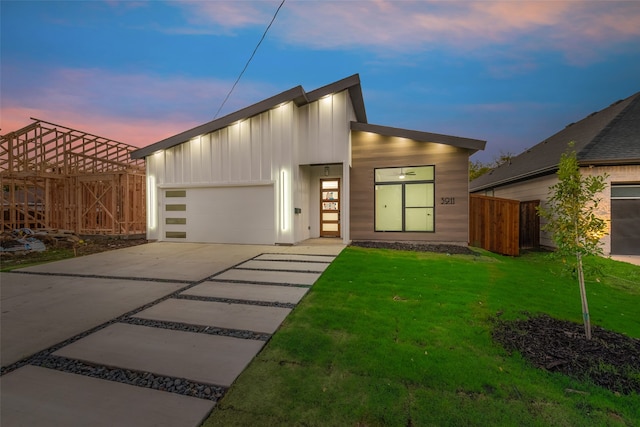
[(45, 358), (136, 378)]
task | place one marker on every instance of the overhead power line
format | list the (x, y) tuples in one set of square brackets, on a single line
[(249, 61)]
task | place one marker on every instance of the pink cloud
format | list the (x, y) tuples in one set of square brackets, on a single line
[(133, 131), (572, 27), (135, 109), (229, 14)]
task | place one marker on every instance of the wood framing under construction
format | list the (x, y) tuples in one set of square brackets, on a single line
[(53, 176)]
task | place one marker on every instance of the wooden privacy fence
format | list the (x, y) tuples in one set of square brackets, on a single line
[(494, 224), (57, 177)]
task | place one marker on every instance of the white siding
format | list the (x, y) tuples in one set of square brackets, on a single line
[(324, 130), (261, 150)]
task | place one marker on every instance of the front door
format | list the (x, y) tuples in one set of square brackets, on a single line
[(330, 207)]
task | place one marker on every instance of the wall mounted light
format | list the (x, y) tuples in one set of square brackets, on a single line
[(326, 171)]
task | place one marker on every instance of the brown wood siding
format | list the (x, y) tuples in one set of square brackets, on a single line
[(529, 224), (494, 224), (371, 151)]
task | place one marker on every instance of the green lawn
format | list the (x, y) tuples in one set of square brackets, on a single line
[(404, 339)]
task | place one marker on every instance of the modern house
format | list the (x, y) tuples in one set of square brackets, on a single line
[(301, 165), (607, 141)]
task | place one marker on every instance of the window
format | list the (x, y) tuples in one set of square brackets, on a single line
[(405, 199)]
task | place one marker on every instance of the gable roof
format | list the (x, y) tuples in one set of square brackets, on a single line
[(296, 94), (607, 137), (456, 141)]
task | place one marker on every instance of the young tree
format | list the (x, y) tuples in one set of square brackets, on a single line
[(571, 218)]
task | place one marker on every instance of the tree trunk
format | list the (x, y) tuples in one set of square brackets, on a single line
[(583, 297)]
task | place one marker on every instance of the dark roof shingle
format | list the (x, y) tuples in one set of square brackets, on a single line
[(609, 136)]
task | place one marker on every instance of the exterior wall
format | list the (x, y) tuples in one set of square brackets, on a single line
[(372, 151), (534, 189), (256, 151), (266, 149), (538, 189), (617, 175), (324, 127)]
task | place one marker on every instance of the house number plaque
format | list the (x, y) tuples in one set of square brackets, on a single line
[(447, 200)]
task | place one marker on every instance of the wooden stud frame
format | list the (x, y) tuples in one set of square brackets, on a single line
[(56, 177)]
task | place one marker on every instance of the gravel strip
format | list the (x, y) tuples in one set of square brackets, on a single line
[(210, 330), (238, 301), (97, 276), (279, 270), (251, 282), (136, 378)]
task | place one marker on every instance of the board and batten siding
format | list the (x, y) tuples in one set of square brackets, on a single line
[(371, 151), (265, 149), (324, 128)]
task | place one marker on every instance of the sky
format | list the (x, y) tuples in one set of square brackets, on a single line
[(511, 73)]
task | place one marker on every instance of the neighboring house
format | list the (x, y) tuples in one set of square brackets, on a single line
[(607, 141), (303, 164)]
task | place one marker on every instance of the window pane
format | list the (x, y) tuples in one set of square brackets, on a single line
[(418, 219), (176, 193), (330, 185), (330, 206), (419, 195), (625, 191), (330, 216), (388, 207), (330, 195), (176, 234), (329, 227), (175, 207), (417, 173)]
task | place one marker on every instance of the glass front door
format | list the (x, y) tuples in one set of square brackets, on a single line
[(330, 207)]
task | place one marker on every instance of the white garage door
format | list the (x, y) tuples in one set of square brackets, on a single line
[(220, 215)]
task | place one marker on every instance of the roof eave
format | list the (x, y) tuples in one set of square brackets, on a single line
[(470, 144), (296, 94), (351, 83), (514, 179)]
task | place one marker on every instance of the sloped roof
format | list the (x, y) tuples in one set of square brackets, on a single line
[(456, 141), (608, 137), (296, 94)]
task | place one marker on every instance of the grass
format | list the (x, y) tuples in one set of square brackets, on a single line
[(400, 338), (9, 263)]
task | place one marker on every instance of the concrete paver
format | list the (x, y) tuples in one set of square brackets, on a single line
[(41, 311), (210, 359), (248, 292), (295, 257), (159, 260), (315, 267), (258, 276), (219, 314), (34, 396), (175, 261)]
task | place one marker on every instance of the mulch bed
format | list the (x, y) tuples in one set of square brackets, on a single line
[(416, 247), (610, 360)]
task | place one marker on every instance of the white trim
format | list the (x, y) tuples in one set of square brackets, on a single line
[(216, 185)]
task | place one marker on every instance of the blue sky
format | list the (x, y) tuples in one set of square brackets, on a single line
[(511, 73)]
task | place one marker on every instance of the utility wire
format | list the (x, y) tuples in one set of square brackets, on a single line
[(250, 58)]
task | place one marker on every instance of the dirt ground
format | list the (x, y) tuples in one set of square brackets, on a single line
[(58, 248)]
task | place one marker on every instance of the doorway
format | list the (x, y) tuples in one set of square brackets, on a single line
[(330, 207)]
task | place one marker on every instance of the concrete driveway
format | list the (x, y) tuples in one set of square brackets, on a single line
[(144, 336)]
